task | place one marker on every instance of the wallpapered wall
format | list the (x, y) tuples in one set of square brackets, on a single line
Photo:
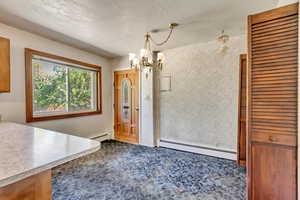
[(202, 106)]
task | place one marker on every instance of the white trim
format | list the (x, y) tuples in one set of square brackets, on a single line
[(205, 150)]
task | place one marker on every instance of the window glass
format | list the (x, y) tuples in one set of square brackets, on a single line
[(59, 87)]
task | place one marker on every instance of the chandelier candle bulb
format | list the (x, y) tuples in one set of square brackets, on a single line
[(135, 61), (143, 53), (145, 61), (160, 57), (150, 60), (132, 56)]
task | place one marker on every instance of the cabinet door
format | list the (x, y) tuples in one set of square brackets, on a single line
[(4, 65), (272, 104)]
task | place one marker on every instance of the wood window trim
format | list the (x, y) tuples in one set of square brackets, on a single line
[(28, 87)]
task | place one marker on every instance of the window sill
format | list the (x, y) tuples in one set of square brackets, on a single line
[(64, 116)]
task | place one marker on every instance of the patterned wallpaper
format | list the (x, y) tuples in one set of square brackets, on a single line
[(202, 106)]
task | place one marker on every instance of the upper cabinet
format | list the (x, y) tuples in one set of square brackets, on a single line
[(4, 65)]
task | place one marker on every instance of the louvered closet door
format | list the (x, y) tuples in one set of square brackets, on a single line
[(272, 104)]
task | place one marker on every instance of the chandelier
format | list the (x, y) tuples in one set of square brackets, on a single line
[(146, 60)]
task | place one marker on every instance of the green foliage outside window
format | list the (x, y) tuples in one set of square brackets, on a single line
[(79, 89), (63, 89)]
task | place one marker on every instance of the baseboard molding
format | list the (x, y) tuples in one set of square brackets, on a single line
[(107, 135), (209, 151)]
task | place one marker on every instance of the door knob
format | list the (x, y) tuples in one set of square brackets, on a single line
[(272, 139), (137, 108)]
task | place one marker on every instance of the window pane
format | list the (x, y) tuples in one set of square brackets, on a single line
[(82, 88), (49, 86)]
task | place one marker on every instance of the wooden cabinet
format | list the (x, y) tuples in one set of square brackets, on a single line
[(272, 104), (241, 159), (4, 65)]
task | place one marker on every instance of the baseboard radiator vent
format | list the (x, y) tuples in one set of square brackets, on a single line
[(102, 137), (209, 151)]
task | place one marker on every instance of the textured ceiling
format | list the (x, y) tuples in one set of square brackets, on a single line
[(116, 27)]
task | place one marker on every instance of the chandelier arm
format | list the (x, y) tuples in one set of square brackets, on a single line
[(165, 41)]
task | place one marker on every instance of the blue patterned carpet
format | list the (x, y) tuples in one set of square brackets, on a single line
[(122, 171)]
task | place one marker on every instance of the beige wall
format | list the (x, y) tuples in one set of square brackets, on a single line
[(12, 105), (120, 63), (202, 106)]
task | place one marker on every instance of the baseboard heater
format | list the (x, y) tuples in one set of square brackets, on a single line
[(99, 137), (210, 151)]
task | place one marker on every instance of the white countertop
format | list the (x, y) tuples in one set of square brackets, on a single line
[(25, 150)]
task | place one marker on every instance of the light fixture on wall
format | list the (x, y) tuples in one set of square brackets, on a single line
[(145, 61), (223, 39)]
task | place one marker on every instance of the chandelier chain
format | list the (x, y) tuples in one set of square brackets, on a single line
[(165, 41), (147, 61)]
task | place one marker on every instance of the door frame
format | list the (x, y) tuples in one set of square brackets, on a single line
[(242, 57), (139, 100)]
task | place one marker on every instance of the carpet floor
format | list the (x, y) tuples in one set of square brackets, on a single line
[(120, 171)]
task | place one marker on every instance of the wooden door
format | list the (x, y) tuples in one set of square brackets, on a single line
[(272, 104), (241, 159), (126, 105)]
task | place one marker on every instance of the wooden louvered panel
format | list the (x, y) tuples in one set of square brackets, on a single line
[(269, 59), (274, 29), (287, 59), (275, 69), (275, 64), (274, 51), (276, 43), (275, 86), (277, 22), (273, 97), (286, 72), (273, 47), (275, 125), (266, 109), (274, 36), (270, 36), (274, 130)]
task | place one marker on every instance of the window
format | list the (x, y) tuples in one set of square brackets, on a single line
[(58, 87)]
